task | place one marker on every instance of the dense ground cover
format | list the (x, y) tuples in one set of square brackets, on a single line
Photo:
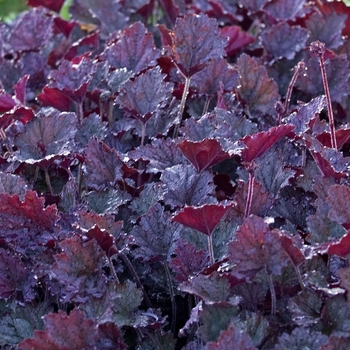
[(175, 175)]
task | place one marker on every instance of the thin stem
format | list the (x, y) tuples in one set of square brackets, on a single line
[(143, 133), (297, 69), (136, 277), (319, 49), (206, 105), (182, 104), (110, 114), (79, 111), (300, 279), (172, 296), (248, 203), (48, 182), (80, 179), (114, 273), (273, 293), (211, 249)]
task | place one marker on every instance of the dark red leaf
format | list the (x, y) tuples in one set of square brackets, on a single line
[(196, 40), (41, 25), (341, 247), (203, 154), (215, 76), (283, 40), (27, 224), (171, 10), (103, 165), (188, 261), (135, 50), (232, 338), (237, 39), (204, 218), (146, 94), (6, 102), (104, 239), (54, 98), (54, 5), (258, 90), (20, 89), (63, 332), (294, 252), (285, 9), (342, 135), (256, 247), (259, 143), (78, 270)]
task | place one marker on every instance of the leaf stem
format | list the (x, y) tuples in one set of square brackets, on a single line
[(143, 133), (206, 105), (211, 249), (319, 49), (172, 297), (248, 203), (79, 111), (297, 69), (114, 273), (136, 277), (182, 104), (48, 182), (272, 292)]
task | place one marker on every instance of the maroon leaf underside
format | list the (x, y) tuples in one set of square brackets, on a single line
[(259, 143), (203, 154), (54, 5), (203, 219)]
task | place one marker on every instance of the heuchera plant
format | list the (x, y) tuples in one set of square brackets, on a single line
[(175, 175)]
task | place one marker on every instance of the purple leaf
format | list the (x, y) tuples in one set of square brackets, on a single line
[(258, 90), (256, 247), (253, 5), (232, 338), (218, 314), (290, 245), (336, 342), (28, 218), (301, 338), (144, 95), (20, 89), (6, 101), (259, 143), (78, 270), (54, 5), (156, 234), (326, 28), (17, 281), (188, 261), (337, 196), (208, 81), (186, 186), (196, 40), (203, 154), (12, 184), (204, 218), (338, 74), (306, 113), (283, 40), (72, 78), (104, 239), (46, 137), (109, 337), (63, 332), (41, 26), (237, 39), (212, 289), (161, 154), (285, 9), (135, 50), (103, 165)]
